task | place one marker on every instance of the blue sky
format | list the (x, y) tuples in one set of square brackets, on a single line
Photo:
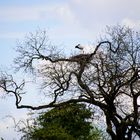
[(68, 22)]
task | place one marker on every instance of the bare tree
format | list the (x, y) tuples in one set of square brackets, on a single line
[(107, 78)]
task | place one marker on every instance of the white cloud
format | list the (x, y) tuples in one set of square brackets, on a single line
[(64, 13), (40, 12), (74, 18), (12, 35), (105, 12), (57, 15), (18, 13), (131, 23), (84, 12)]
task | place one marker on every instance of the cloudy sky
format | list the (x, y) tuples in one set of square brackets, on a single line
[(68, 22)]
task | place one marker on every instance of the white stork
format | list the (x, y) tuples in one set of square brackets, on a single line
[(80, 47)]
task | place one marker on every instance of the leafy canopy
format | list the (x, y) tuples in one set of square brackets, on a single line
[(69, 122)]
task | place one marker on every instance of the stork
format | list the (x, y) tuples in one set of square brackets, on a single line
[(80, 48)]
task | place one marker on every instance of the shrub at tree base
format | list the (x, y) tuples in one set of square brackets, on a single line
[(69, 122)]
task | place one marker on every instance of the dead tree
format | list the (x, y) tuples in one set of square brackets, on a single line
[(109, 80)]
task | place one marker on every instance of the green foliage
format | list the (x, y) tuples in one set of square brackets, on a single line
[(69, 122), (52, 132)]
